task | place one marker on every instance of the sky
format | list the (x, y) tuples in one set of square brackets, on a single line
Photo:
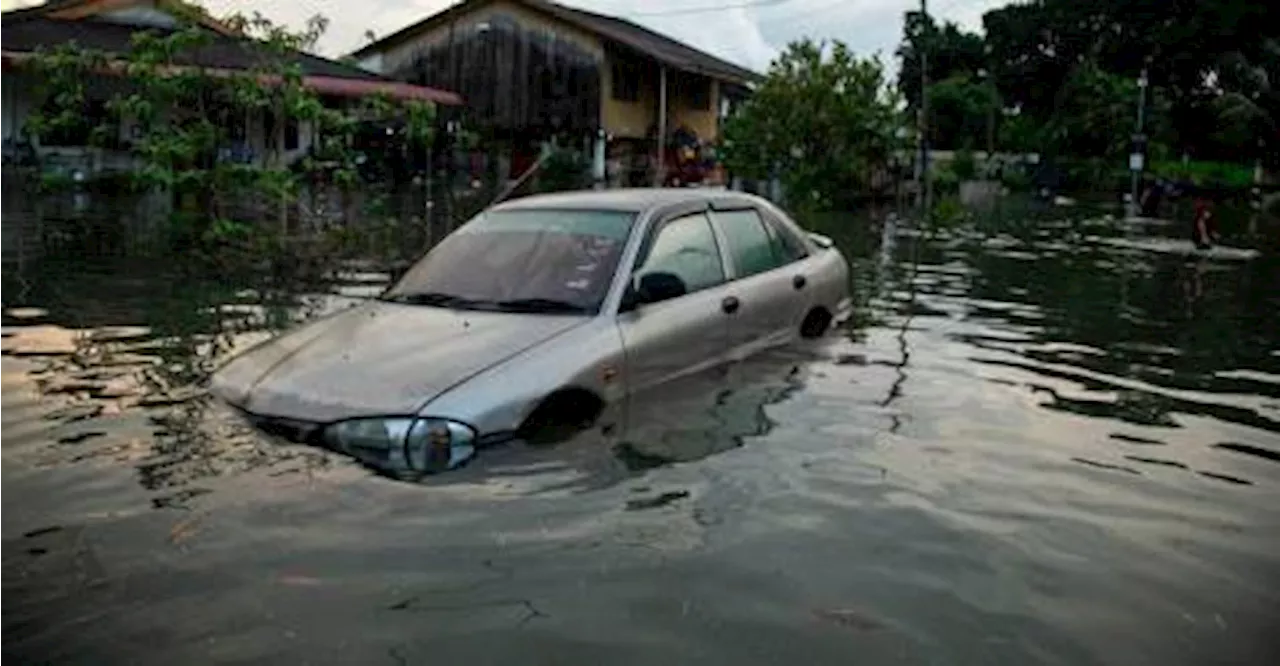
[(747, 32)]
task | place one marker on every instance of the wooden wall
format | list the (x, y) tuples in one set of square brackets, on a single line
[(513, 73)]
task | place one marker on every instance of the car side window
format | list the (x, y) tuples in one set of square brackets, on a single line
[(686, 248), (753, 247), (791, 248)]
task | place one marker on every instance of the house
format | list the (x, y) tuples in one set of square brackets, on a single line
[(109, 26), (533, 69)]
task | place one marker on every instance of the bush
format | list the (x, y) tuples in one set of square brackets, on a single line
[(945, 180), (964, 165), (565, 169), (1218, 174)]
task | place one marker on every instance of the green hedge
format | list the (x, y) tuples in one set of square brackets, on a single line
[(1222, 174)]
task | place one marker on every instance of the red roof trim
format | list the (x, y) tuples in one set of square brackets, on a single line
[(329, 85)]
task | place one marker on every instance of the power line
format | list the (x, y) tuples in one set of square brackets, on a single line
[(807, 12), (714, 8)]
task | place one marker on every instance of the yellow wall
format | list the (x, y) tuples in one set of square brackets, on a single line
[(631, 120), (627, 120), (704, 123)]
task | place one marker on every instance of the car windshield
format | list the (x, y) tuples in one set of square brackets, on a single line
[(538, 261)]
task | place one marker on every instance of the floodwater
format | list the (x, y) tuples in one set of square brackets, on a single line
[(1028, 446)]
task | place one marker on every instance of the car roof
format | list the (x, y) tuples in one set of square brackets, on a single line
[(632, 199)]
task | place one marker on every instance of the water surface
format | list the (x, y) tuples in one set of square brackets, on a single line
[(1027, 447)]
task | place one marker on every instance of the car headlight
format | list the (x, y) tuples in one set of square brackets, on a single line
[(404, 444)]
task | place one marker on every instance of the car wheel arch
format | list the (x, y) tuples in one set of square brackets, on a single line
[(561, 413), (816, 322)]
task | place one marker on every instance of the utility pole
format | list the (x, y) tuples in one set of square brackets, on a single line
[(1137, 158), (922, 120)]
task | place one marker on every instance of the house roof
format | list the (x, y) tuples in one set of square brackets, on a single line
[(25, 31), (660, 47)]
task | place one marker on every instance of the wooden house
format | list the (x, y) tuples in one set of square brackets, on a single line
[(531, 70)]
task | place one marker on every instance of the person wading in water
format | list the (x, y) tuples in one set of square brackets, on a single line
[(1203, 233)]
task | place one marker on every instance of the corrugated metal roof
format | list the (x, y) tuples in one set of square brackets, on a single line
[(221, 52), (620, 31)]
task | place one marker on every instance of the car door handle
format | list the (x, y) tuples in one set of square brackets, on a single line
[(730, 304), (799, 281)]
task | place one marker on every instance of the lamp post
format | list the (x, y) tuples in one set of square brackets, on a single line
[(1136, 158)]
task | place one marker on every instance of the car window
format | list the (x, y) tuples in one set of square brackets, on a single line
[(685, 247), (753, 248), (558, 260), (791, 248)]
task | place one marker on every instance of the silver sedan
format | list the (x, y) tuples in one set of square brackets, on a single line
[(543, 313)]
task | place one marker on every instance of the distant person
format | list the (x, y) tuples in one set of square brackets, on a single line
[(1152, 197), (1203, 225)]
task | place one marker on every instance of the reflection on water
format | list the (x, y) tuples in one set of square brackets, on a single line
[(1027, 446)]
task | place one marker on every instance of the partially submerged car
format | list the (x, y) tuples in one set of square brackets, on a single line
[(542, 312)]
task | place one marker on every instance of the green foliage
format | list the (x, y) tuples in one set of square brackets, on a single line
[(1016, 179), (822, 121), (1096, 115), (964, 165), (945, 178), (952, 53), (1021, 134), (564, 169), (960, 108), (1222, 174), (181, 119), (1070, 68)]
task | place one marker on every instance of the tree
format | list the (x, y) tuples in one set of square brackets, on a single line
[(1191, 50), (952, 52), (183, 117), (963, 111), (823, 121)]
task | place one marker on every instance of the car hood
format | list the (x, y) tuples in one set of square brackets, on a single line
[(377, 359)]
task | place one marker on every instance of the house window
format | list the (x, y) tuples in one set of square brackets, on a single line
[(626, 81), (291, 134), (698, 93)]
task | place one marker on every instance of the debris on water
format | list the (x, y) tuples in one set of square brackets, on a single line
[(128, 359), (121, 387), (850, 618), (118, 333), (45, 340), (173, 397), (179, 499), (27, 313), (75, 412), (72, 385), (184, 529), (657, 501)]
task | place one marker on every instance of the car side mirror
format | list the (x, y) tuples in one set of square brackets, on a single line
[(657, 286)]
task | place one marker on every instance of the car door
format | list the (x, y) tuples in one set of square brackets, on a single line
[(687, 333), (768, 280)]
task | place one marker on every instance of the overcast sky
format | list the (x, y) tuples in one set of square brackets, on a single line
[(749, 35)]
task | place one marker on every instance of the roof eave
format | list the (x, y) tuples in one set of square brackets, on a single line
[(408, 32)]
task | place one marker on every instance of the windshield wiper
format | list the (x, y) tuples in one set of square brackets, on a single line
[(541, 305), (429, 298)]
